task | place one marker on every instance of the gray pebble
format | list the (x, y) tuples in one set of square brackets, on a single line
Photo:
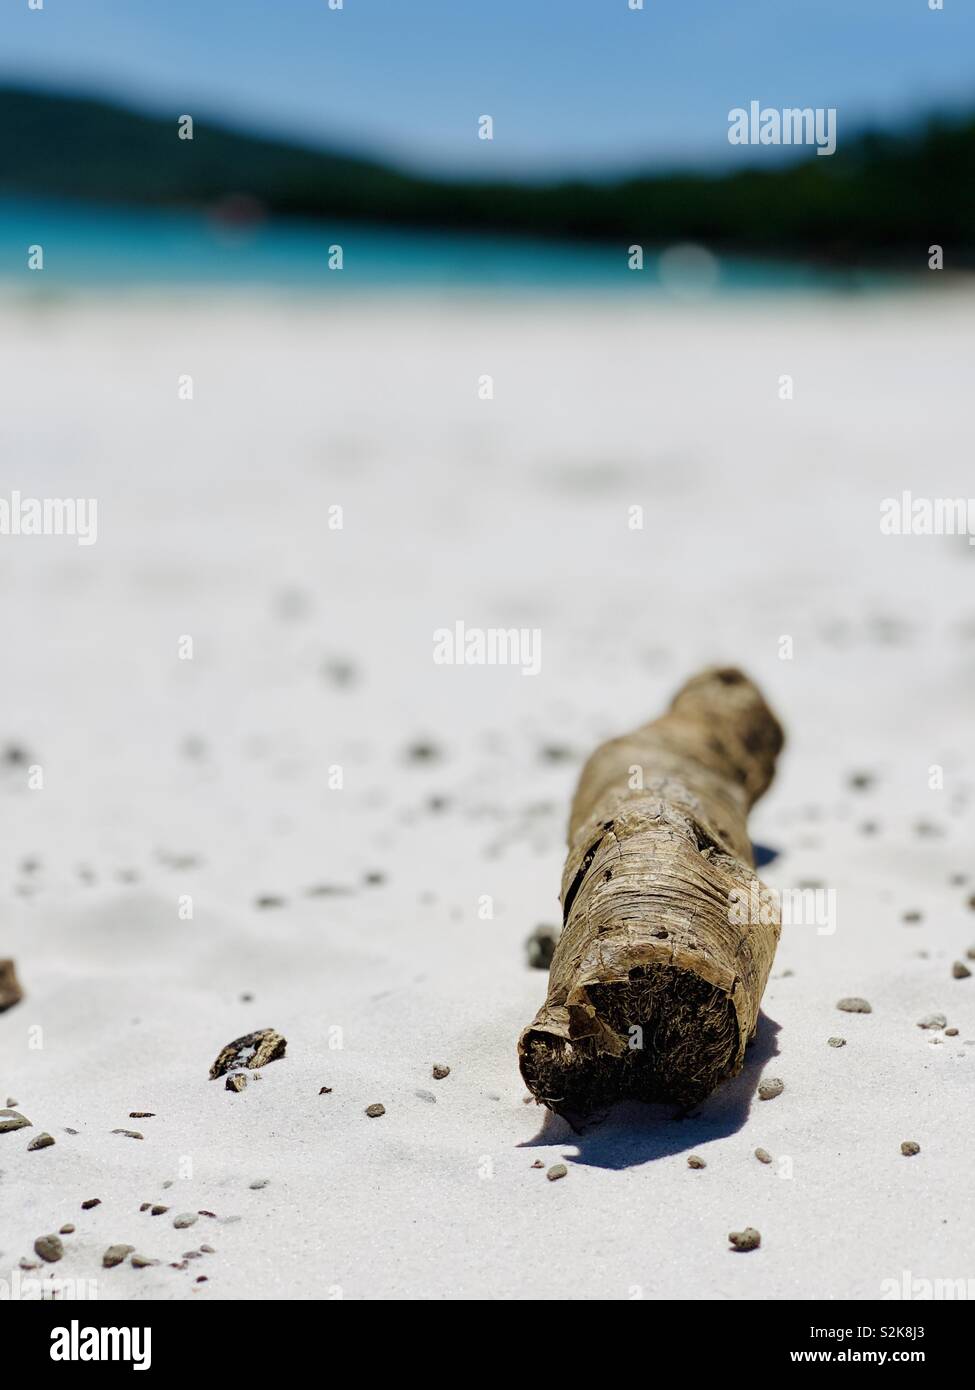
[(763, 1155), (426, 1095), (557, 1170), (67, 1229), (932, 1021), (770, 1087), (748, 1239), (836, 1042), (11, 1120), (184, 1219), (129, 1133), (43, 1141), (375, 1110), (49, 1248), (258, 1183), (115, 1254), (960, 970), (854, 1005), (143, 1261)]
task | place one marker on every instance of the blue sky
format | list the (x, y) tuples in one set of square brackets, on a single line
[(585, 85)]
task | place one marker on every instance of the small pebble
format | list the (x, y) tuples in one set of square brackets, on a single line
[(91, 1202), (770, 1088), (932, 1021), (439, 1072), (258, 1183), (557, 1170), (375, 1110), (748, 1239), (960, 970), (540, 946), (912, 916), (909, 1148), (185, 1218), (129, 1133), (763, 1155), (854, 1005), (538, 1163), (325, 1091), (428, 1096), (43, 1141), (696, 1162), (142, 1114), (236, 1081), (11, 1120), (836, 1042), (143, 1261), (208, 1249), (145, 1206), (49, 1248), (951, 1032), (115, 1254), (158, 1210)]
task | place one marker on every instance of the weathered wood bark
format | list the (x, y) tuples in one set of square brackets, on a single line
[(658, 976)]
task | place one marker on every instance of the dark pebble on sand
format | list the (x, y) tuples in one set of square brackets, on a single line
[(91, 1202), (440, 1071), (695, 1162), (748, 1239), (375, 1110), (960, 970), (49, 1248), (909, 1148), (67, 1229), (115, 1254), (836, 1042), (423, 752), (540, 946)]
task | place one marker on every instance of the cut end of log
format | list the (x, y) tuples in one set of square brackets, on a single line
[(663, 1034)]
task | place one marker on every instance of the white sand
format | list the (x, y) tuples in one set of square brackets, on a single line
[(762, 519)]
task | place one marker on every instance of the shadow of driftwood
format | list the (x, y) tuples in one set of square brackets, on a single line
[(633, 1133)]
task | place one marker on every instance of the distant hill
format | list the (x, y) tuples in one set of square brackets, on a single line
[(880, 199)]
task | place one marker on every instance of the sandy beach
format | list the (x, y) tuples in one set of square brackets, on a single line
[(365, 837)]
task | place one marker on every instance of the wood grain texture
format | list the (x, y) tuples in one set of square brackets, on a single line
[(657, 980)]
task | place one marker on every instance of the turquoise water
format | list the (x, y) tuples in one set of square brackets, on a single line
[(99, 246)]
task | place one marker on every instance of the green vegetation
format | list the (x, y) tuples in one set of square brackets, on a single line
[(881, 199)]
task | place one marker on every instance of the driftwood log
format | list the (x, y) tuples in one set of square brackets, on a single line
[(657, 979)]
